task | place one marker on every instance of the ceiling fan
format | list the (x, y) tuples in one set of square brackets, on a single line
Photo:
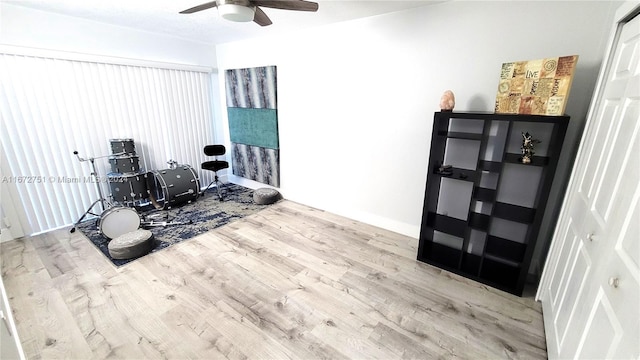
[(248, 10)]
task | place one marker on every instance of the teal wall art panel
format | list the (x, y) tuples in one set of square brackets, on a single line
[(256, 127), (253, 123)]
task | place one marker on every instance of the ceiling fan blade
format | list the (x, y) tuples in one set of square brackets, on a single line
[(261, 18), (200, 7), (299, 5)]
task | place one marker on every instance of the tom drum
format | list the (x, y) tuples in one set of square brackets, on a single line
[(128, 189), (124, 164), (122, 146)]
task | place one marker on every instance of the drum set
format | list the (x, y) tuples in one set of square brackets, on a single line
[(134, 188)]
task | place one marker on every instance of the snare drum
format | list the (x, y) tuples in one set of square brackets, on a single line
[(122, 146), (170, 187), (128, 189), (124, 164), (117, 221)]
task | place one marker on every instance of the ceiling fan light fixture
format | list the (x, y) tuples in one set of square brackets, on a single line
[(238, 13)]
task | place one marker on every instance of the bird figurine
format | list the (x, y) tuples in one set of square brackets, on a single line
[(447, 101), (528, 143)]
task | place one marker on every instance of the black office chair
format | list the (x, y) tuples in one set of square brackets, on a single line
[(215, 165)]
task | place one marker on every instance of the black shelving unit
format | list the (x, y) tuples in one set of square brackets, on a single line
[(483, 206)]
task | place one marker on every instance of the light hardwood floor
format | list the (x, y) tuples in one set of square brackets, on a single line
[(289, 282)]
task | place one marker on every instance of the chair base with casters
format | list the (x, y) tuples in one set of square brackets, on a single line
[(215, 166)]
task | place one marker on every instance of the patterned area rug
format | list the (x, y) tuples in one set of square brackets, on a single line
[(205, 214)]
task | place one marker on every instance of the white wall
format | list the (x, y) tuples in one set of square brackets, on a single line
[(21, 26), (356, 99)]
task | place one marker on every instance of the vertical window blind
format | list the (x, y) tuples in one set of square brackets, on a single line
[(53, 106)]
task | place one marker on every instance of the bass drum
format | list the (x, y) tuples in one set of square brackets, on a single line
[(117, 221), (171, 187)]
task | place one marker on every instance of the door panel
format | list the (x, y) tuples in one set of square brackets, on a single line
[(603, 331), (609, 187), (601, 140), (625, 294), (561, 268), (578, 280), (628, 247)]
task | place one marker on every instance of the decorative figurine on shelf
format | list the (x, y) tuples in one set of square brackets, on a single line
[(527, 148), (447, 101)]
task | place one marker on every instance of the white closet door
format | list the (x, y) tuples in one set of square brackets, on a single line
[(591, 282)]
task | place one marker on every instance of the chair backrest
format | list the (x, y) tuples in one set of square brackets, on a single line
[(214, 150)]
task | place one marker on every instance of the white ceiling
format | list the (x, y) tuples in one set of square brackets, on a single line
[(161, 16)]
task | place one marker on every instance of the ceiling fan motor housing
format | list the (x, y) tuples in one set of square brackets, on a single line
[(236, 10)]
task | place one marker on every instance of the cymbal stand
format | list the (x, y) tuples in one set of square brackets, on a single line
[(104, 203)]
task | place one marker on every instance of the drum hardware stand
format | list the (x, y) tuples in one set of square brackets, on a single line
[(153, 223), (164, 223), (103, 202), (188, 192), (172, 164)]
